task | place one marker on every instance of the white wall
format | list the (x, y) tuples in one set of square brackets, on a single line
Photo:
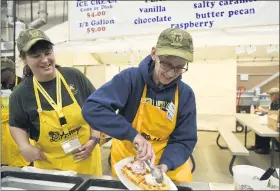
[(214, 84), (123, 67), (110, 72), (213, 81), (97, 75)]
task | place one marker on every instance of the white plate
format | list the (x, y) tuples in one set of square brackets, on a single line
[(130, 185)]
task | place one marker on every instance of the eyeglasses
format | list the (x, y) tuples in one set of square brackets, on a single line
[(168, 67)]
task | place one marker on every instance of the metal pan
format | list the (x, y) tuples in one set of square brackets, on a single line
[(35, 181)]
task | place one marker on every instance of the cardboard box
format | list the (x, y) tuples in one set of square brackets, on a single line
[(273, 118)]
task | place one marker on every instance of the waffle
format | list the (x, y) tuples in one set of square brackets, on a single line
[(146, 186), (139, 179)]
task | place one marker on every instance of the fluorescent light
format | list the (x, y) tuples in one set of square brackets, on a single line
[(251, 49), (239, 49), (271, 48)]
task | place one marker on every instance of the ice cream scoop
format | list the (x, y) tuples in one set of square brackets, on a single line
[(154, 171), (137, 167)]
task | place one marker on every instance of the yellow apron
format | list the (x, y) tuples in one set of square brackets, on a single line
[(11, 154), (152, 123), (52, 134)]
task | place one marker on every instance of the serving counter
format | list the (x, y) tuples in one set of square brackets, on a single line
[(14, 178)]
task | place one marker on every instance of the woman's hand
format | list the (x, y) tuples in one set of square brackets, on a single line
[(32, 153), (85, 150)]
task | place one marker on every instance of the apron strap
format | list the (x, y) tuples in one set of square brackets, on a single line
[(67, 88), (56, 106), (176, 100), (16, 83), (144, 92), (39, 106), (141, 110)]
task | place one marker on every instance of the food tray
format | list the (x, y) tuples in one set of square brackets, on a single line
[(98, 184), (35, 181)]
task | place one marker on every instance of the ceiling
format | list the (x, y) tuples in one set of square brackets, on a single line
[(27, 11)]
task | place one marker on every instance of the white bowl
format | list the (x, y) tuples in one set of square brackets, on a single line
[(247, 177)]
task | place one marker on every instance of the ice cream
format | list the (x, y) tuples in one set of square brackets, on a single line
[(137, 167), (151, 180)]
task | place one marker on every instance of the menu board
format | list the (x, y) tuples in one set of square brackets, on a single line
[(112, 18)]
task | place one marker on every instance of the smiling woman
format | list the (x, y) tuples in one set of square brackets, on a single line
[(42, 70), (46, 107)]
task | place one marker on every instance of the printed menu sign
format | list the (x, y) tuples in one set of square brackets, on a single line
[(112, 18)]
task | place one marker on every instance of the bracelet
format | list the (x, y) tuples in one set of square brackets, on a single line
[(95, 139)]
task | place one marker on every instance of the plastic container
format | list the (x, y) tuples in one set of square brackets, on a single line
[(252, 109), (247, 177), (274, 184)]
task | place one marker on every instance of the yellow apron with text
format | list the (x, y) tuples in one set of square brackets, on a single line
[(152, 123), (10, 153), (52, 134)]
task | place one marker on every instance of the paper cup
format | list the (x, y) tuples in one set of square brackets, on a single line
[(247, 178)]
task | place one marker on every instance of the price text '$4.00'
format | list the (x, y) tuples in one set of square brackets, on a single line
[(96, 14)]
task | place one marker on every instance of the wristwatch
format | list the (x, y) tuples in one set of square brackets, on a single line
[(95, 139)]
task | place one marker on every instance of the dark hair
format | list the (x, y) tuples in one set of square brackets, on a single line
[(39, 47)]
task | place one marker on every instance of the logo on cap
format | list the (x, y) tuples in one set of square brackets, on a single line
[(34, 34), (177, 39)]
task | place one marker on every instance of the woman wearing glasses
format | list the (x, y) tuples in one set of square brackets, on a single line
[(157, 111)]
